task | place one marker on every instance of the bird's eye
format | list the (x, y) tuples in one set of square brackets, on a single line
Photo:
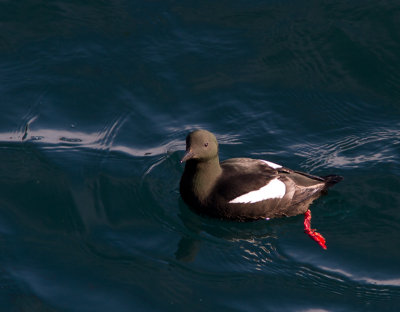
[(205, 144)]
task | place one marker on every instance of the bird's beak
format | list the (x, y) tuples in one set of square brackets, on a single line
[(188, 155)]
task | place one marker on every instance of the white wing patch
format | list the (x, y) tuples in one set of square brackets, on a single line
[(271, 164), (274, 189)]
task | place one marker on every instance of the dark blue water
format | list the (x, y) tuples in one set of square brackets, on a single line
[(96, 98)]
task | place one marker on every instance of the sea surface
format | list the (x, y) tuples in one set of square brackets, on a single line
[(96, 99)]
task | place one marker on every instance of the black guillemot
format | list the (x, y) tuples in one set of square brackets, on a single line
[(244, 189)]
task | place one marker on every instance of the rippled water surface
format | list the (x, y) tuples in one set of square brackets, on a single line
[(96, 99)]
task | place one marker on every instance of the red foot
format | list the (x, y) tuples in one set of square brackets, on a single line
[(312, 232)]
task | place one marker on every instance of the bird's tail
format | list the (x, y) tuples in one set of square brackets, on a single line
[(331, 180)]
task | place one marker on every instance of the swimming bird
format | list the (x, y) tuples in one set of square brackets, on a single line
[(244, 188)]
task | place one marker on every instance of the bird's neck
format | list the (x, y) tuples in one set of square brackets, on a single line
[(205, 175)]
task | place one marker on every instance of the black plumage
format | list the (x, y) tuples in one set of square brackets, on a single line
[(217, 189)]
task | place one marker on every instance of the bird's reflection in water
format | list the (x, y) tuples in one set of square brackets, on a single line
[(199, 229)]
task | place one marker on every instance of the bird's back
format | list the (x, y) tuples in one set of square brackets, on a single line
[(252, 189)]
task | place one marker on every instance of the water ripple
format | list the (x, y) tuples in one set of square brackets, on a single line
[(61, 139), (352, 151)]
